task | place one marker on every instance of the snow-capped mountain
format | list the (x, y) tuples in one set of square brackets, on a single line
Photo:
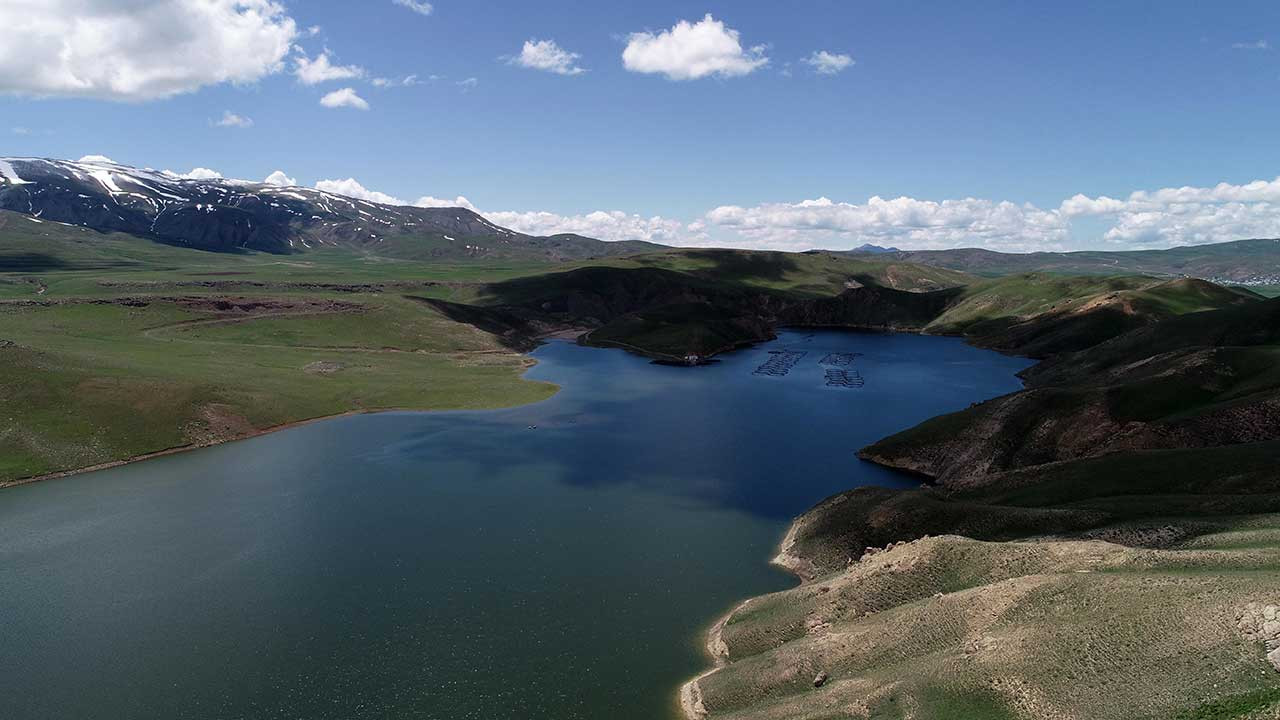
[(234, 215)]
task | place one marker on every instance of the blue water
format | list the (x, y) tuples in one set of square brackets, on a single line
[(452, 565)]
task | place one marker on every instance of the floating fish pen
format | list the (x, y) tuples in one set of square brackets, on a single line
[(839, 359), (780, 362), (844, 378)]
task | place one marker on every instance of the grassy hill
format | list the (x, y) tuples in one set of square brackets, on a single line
[(949, 627), (1039, 314), (1193, 380), (1252, 262), (1133, 585)]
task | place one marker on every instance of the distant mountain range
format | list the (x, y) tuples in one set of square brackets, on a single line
[(1243, 262), (870, 249), (226, 215)]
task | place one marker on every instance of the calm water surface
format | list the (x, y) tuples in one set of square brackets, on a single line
[(451, 565)]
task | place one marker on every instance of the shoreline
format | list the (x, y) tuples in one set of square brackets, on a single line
[(177, 449), (690, 694)]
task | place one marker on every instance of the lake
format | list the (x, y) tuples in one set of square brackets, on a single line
[(559, 560)]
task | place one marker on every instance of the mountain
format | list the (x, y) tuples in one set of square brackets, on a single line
[(1040, 314), (1242, 262), (224, 215), (869, 249)]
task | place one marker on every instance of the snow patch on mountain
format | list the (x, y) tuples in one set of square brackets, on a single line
[(9, 174)]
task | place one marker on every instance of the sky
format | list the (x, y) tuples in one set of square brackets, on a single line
[(1013, 126)]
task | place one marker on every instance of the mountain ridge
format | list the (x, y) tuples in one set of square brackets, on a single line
[(225, 215), (1251, 262)]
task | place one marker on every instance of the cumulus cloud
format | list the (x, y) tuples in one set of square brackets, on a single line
[(321, 69), (112, 50), (279, 178), (603, 225), (199, 173), (689, 51), (346, 97), (352, 188), (468, 83), (1161, 218), (230, 119), (427, 201), (1185, 215), (827, 63), (902, 221), (547, 56), (422, 8)]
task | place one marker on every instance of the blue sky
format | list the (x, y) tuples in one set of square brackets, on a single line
[(1009, 103)]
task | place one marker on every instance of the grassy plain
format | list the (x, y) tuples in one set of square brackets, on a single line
[(113, 347)]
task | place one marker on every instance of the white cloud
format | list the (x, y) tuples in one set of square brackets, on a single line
[(903, 221), (689, 51), (546, 55), (422, 8), (96, 159), (279, 178), (827, 63), (199, 173), (352, 188), (468, 83), (1160, 218), (1256, 45), (346, 97), (19, 130), (1186, 215), (406, 81), (1258, 191), (1078, 205), (230, 119), (427, 201), (139, 50), (314, 72), (611, 225)]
